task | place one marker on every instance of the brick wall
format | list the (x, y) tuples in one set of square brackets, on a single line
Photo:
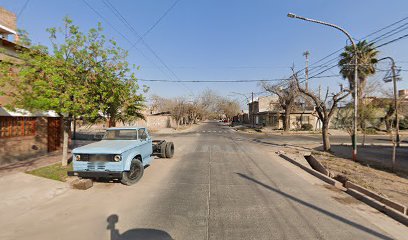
[(8, 19), (16, 149)]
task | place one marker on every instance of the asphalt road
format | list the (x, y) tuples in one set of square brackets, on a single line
[(219, 185)]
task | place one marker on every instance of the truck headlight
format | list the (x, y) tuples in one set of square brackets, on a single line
[(117, 158), (78, 157)]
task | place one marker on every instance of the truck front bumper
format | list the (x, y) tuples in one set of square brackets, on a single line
[(95, 174)]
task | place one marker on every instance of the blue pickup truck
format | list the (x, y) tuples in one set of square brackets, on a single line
[(122, 154)]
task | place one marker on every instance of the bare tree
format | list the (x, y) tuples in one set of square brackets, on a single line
[(228, 107), (325, 108), (287, 93), (179, 110), (209, 101)]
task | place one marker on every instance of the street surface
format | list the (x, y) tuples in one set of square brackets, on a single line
[(219, 185)]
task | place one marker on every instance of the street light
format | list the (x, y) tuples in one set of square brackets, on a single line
[(394, 80), (354, 134)]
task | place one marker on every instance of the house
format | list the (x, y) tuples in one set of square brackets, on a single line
[(22, 134), (266, 111)]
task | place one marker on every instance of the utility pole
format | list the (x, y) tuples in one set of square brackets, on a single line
[(394, 80), (252, 110), (306, 54)]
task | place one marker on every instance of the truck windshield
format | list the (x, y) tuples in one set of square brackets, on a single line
[(122, 134)]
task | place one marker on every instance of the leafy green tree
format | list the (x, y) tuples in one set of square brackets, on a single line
[(80, 75), (366, 57)]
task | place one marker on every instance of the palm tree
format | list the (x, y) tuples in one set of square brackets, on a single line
[(366, 57)]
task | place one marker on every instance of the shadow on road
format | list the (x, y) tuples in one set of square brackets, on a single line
[(316, 208), (136, 233)]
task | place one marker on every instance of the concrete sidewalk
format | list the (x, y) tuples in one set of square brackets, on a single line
[(31, 164), (21, 192)]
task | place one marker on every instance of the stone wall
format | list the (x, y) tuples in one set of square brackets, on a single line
[(16, 149), (156, 122)]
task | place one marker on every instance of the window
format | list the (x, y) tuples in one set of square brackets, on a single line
[(142, 134), (302, 119), (120, 134), (17, 126)]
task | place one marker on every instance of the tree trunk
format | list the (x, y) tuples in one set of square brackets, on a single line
[(112, 122), (364, 129), (74, 132), (66, 128), (325, 136), (286, 121)]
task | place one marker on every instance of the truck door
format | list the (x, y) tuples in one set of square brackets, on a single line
[(146, 146)]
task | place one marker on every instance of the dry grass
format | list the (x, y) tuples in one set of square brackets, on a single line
[(391, 185)]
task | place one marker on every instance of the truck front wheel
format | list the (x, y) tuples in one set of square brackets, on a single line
[(134, 174)]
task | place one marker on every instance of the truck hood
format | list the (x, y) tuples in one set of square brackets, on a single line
[(108, 147)]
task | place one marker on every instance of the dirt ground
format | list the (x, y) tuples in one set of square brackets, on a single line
[(391, 185)]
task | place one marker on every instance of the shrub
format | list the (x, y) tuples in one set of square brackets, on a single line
[(403, 123), (307, 127), (371, 130)]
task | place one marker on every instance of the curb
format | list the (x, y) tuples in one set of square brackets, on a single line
[(379, 206), (390, 208), (315, 173), (389, 203)]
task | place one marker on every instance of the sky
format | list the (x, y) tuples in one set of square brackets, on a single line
[(224, 39)]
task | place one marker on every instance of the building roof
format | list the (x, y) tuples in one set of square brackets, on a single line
[(6, 30), (4, 112)]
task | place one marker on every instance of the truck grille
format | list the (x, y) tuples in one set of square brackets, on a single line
[(97, 157), (96, 166)]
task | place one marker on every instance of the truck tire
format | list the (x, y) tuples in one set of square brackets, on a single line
[(163, 150), (134, 174), (169, 150)]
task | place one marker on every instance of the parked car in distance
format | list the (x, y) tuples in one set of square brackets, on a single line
[(122, 154)]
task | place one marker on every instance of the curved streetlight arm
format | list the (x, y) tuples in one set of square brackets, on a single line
[(389, 58), (291, 15)]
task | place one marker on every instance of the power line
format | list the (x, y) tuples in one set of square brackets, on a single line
[(155, 24), (23, 8), (140, 38), (392, 41), (388, 26), (120, 33), (124, 21), (226, 81), (390, 33), (339, 50)]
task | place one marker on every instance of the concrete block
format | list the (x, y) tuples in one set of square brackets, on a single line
[(315, 164), (379, 206), (397, 206), (82, 184)]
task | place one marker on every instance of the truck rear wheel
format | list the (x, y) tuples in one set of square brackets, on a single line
[(134, 174), (169, 149), (163, 150)]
